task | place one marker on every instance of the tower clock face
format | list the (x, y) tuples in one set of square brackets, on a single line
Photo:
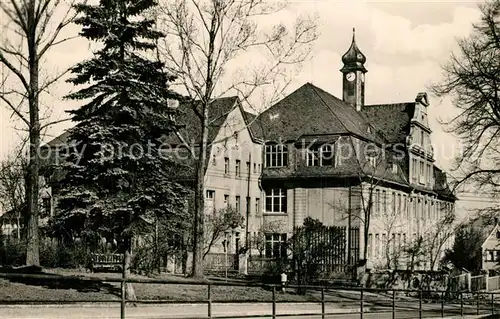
[(350, 76)]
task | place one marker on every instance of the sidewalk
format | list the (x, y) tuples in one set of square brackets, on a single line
[(111, 311)]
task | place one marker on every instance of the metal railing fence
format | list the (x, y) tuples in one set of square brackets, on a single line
[(389, 301)]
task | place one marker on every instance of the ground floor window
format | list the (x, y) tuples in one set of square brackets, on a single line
[(276, 245), (276, 200)]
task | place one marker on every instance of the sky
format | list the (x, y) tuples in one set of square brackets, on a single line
[(405, 43)]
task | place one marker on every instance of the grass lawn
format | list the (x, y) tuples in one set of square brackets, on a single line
[(16, 289)]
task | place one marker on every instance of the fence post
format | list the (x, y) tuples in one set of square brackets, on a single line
[(322, 302), (420, 303), (477, 302), (123, 299), (442, 304), (492, 304), (461, 303), (394, 304), (274, 302), (361, 303), (469, 281), (209, 301), (487, 280)]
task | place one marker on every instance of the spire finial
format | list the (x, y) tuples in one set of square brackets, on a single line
[(353, 33)]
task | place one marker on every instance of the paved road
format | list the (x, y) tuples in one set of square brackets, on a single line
[(227, 310)]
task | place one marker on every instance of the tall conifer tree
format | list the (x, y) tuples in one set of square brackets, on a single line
[(115, 173)]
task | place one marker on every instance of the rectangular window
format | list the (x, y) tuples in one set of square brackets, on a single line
[(429, 212), (393, 199), (377, 203), (420, 208), (226, 200), (422, 138), (248, 167), (404, 205), (275, 246), (415, 212), (393, 244), (377, 245), (400, 206), (414, 170), (226, 165), (276, 200), (254, 167), (384, 202), (238, 168), (372, 160), (238, 204), (210, 194), (47, 206), (384, 244), (257, 206), (276, 155), (320, 155), (429, 174), (421, 176), (214, 160), (369, 248)]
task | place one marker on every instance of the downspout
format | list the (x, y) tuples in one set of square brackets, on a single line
[(248, 200), (349, 228)]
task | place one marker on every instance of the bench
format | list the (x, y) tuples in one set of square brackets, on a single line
[(106, 262)]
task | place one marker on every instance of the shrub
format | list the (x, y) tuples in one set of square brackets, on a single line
[(12, 252)]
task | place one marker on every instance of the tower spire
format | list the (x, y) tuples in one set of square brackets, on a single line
[(354, 75), (353, 59)]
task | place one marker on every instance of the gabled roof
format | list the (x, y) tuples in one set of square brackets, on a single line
[(310, 111), (393, 120), (191, 131), (493, 231)]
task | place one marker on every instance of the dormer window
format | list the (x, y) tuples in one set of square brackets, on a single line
[(320, 155), (276, 155), (372, 160)]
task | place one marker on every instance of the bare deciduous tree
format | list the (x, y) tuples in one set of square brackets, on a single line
[(12, 187), (208, 46), (472, 79), (218, 224), (30, 29)]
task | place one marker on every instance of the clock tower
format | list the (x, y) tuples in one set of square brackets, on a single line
[(353, 91)]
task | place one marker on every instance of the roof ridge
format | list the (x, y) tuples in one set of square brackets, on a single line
[(361, 115), (389, 104)]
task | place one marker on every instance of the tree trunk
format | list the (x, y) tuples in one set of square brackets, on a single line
[(32, 250), (127, 260), (199, 202)]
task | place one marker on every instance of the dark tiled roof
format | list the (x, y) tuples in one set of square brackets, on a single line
[(441, 184), (191, 132), (59, 140), (310, 111), (393, 120)]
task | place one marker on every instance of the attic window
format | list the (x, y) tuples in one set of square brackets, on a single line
[(369, 130), (372, 160), (274, 116), (394, 168), (171, 103), (498, 234)]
